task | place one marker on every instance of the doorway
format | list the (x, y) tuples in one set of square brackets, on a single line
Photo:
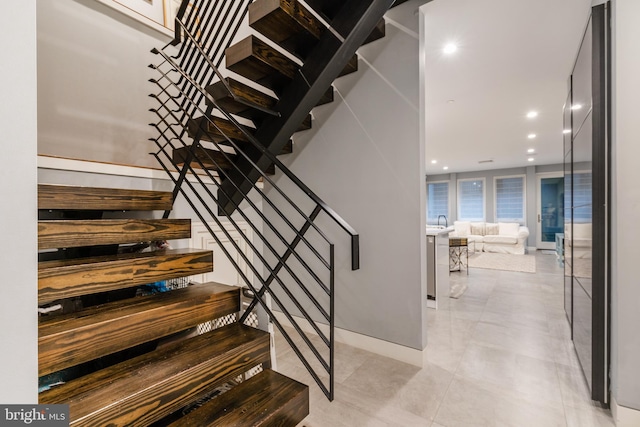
[(550, 209)]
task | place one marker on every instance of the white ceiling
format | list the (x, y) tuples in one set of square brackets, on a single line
[(513, 56)]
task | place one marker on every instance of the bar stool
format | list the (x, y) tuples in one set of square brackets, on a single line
[(458, 254)]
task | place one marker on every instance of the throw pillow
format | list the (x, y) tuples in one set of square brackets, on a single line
[(491, 229), (477, 228), (508, 228), (462, 228)]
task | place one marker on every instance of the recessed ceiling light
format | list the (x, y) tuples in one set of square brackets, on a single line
[(532, 114), (531, 135), (445, 167), (449, 48), (531, 150), (576, 106), (530, 159), (433, 162), (566, 131), (451, 101)]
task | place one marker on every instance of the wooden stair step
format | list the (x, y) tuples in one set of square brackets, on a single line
[(288, 23), (218, 131), (266, 399), (254, 59), (244, 92), (103, 199), (147, 388), (76, 233), (210, 159), (327, 8), (82, 276), (75, 338)]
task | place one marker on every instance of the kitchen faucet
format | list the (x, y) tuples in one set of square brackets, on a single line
[(446, 223)]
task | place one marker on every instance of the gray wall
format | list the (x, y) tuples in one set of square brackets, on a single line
[(363, 157), (18, 263), (92, 83), (625, 298)]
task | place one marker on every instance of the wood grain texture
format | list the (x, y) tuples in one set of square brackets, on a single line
[(267, 399), (104, 199), (210, 159), (288, 23), (71, 339), (205, 158), (76, 233), (247, 93), (217, 130), (259, 62), (83, 276), (147, 388)]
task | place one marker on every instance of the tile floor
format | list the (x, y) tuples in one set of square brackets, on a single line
[(500, 355)]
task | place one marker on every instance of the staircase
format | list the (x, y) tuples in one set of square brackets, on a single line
[(220, 130), (122, 359)]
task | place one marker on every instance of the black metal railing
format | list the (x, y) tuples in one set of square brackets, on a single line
[(283, 252)]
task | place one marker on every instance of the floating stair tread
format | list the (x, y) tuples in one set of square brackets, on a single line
[(216, 128), (104, 199), (286, 22), (247, 93), (76, 233), (259, 62), (397, 3), (266, 399), (205, 158), (75, 338), (147, 388), (75, 277), (209, 159)]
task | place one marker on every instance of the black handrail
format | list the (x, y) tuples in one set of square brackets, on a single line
[(290, 256)]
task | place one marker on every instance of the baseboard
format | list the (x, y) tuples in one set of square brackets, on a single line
[(374, 345), (623, 416), (531, 249)]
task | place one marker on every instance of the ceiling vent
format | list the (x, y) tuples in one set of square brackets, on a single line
[(485, 161)]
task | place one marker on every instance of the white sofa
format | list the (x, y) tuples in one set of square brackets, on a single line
[(501, 237), (581, 241)]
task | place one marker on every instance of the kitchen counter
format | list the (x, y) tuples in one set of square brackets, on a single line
[(437, 266)]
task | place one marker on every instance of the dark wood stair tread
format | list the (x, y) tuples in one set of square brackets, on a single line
[(209, 159), (75, 338), (218, 129), (327, 97), (75, 233), (286, 22), (266, 399), (250, 95), (105, 199), (147, 388), (261, 63), (75, 277)]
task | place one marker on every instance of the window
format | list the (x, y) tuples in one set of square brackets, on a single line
[(471, 200), (437, 201), (510, 197), (582, 192)]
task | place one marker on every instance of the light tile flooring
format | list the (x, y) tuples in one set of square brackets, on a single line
[(500, 355)]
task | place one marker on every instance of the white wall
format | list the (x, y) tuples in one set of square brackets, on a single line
[(363, 157), (18, 261), (92, 83), (626, 207)]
